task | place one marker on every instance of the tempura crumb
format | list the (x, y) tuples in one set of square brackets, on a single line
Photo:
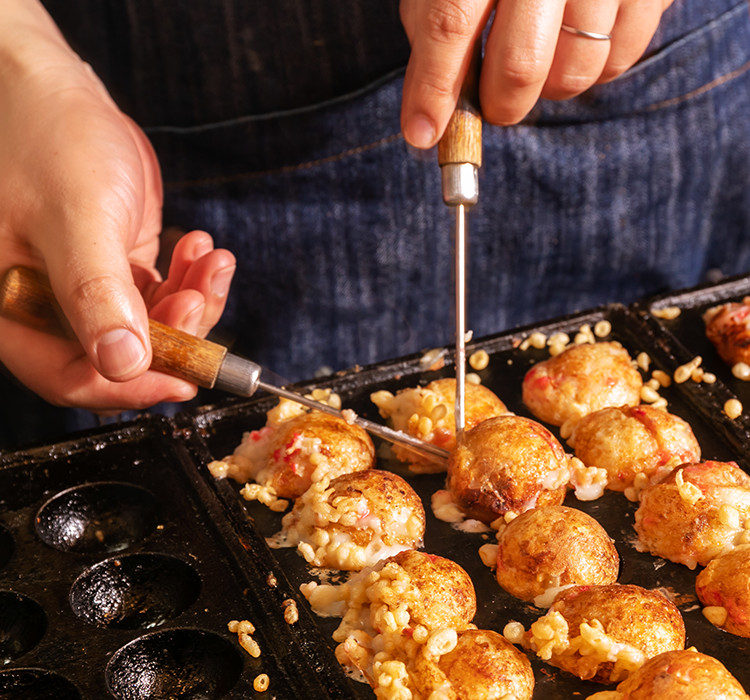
[(479, 360), (261, 683), (244, 630), (667, 313), (733, 408), (265, 495), (291, 614)]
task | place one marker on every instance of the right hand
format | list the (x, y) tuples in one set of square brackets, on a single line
[(82, 197), (526, 57)]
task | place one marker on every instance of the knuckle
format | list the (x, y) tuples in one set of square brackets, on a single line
[(451, 20), (435, 86), (523, 69), (87, 293)]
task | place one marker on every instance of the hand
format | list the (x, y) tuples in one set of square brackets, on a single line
[(81, 193), (527, 56)]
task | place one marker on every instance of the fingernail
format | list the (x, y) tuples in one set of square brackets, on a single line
[(119, 352), (420, 131), (221, 280)]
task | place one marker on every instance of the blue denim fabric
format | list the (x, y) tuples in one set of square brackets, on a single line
[(345, 246)]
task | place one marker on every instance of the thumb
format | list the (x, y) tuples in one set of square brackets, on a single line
[(442, 34), (103, 207), (106, 312)]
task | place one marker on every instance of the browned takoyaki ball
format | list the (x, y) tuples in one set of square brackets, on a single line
[(683, 674), (301, 444), (507, 463), (610, 630), (632, 440), (698, 512), (554, 546), (728, 328), (724, 587), (482, 666), (581, 380), (446, 592), (356, 520), (428, 413)]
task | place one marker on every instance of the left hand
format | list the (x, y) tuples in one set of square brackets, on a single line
[(527, 54)]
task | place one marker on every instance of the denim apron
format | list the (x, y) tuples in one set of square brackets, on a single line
[(277, 127)]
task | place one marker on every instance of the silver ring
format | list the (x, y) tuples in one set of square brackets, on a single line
[(587, 35)]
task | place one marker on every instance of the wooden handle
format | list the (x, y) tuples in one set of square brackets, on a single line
[(462, 140), (27, 298), (185, 356)]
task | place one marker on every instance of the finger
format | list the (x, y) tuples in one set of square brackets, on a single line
[(636, 23), (102, 304), (183, 310), (210, 274), (188, 248), (91, 218), (579, 60), (60, 372), (138, 394), (518, 55), (442, 35)]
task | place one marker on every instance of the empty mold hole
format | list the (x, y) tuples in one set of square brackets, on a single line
[(135, 591), (22, 625), (101, 517), (188, 664), (6, 546), (35, 684)]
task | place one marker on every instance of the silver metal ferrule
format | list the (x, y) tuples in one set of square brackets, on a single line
[(238, 376), (460, 184)]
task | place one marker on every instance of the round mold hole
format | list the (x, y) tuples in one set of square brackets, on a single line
[(22, 624), (184, 664), (101, 517), (35, 684), (6, 546), (135, 591)]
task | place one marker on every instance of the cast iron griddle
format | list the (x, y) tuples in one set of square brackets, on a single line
[(122, 559), (686, 334), (119, 573), (720, 438)]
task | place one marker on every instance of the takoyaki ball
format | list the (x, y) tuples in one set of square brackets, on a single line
[(724, 588), (428, 413), (446, 592), (390, 610), (603, 633), (483, 665), (289, 455), (551, 547), (728, 328), (355, 520), (581, 380), (683, 674), (698, 512), (507, 464), (632, 440)]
